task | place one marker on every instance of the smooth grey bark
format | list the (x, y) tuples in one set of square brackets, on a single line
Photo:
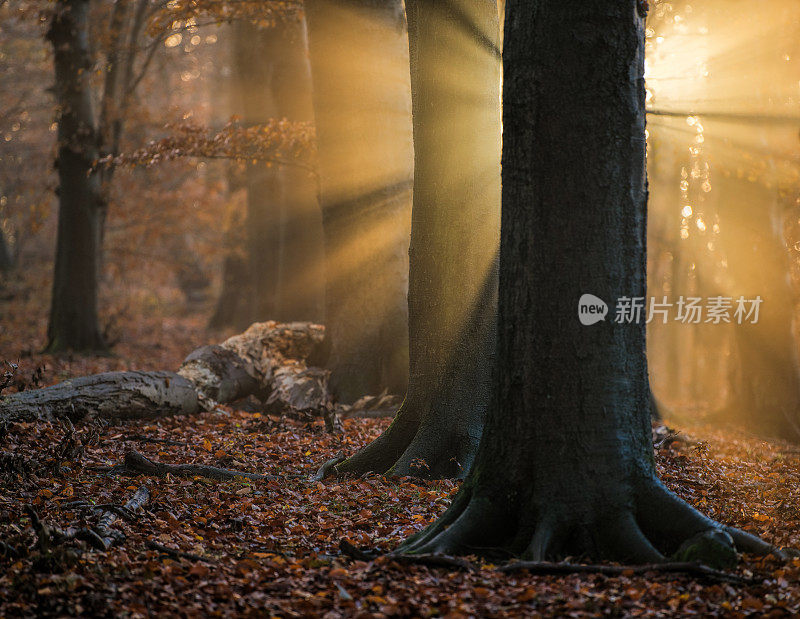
[(565, 465), (73, 313), (361, 95), (455, 83)]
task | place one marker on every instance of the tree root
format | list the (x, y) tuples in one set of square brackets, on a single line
[(692, 569), (659, 529), (356, 553), (329, 468), (135, 463)]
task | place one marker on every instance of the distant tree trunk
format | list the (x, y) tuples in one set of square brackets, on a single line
[(455, 81), (6, 257), (283, 229), (359, 66), (254, 60), (232, 308), (566, 465), (73, 313), (765, 378), (301, 275)]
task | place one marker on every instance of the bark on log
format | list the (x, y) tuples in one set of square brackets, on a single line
[(267, 360), (109, 536)]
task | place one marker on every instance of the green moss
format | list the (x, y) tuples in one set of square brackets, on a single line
[(713, 548)]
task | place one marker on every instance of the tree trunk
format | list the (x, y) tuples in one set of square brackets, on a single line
[(231, 309), (73, 313), (566, 465), (454, 242), (359, 58), (284, 225), (6, 257), (267, 360), (301, 276), (765, 377)]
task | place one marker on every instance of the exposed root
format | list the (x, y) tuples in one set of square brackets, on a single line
[(427, 439), (418, 541), (457, 532), (663, 515), (622, 539), (381, 454), (660, 525), (542, 541), (359, 554), (329, 468), (135, 463)]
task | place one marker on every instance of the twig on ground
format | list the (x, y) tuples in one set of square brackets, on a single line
[(176, 554), (136, 463), (435, 560), (100, 537), (159, 441), (692, 569), (108, 517)]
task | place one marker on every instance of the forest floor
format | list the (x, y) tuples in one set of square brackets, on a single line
[(272, 547)]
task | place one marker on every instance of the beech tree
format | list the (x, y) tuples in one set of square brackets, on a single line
[(361, 94), (565, 465), (73, 314), (283, 230), (452, 295), (765, 377)]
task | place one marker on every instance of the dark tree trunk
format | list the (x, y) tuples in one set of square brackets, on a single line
[(73, 313), (566, 460), (232, 308), (455, 80), (359, 67), (6, 257)]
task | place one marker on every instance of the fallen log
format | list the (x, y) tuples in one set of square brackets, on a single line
[(267, 361)]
